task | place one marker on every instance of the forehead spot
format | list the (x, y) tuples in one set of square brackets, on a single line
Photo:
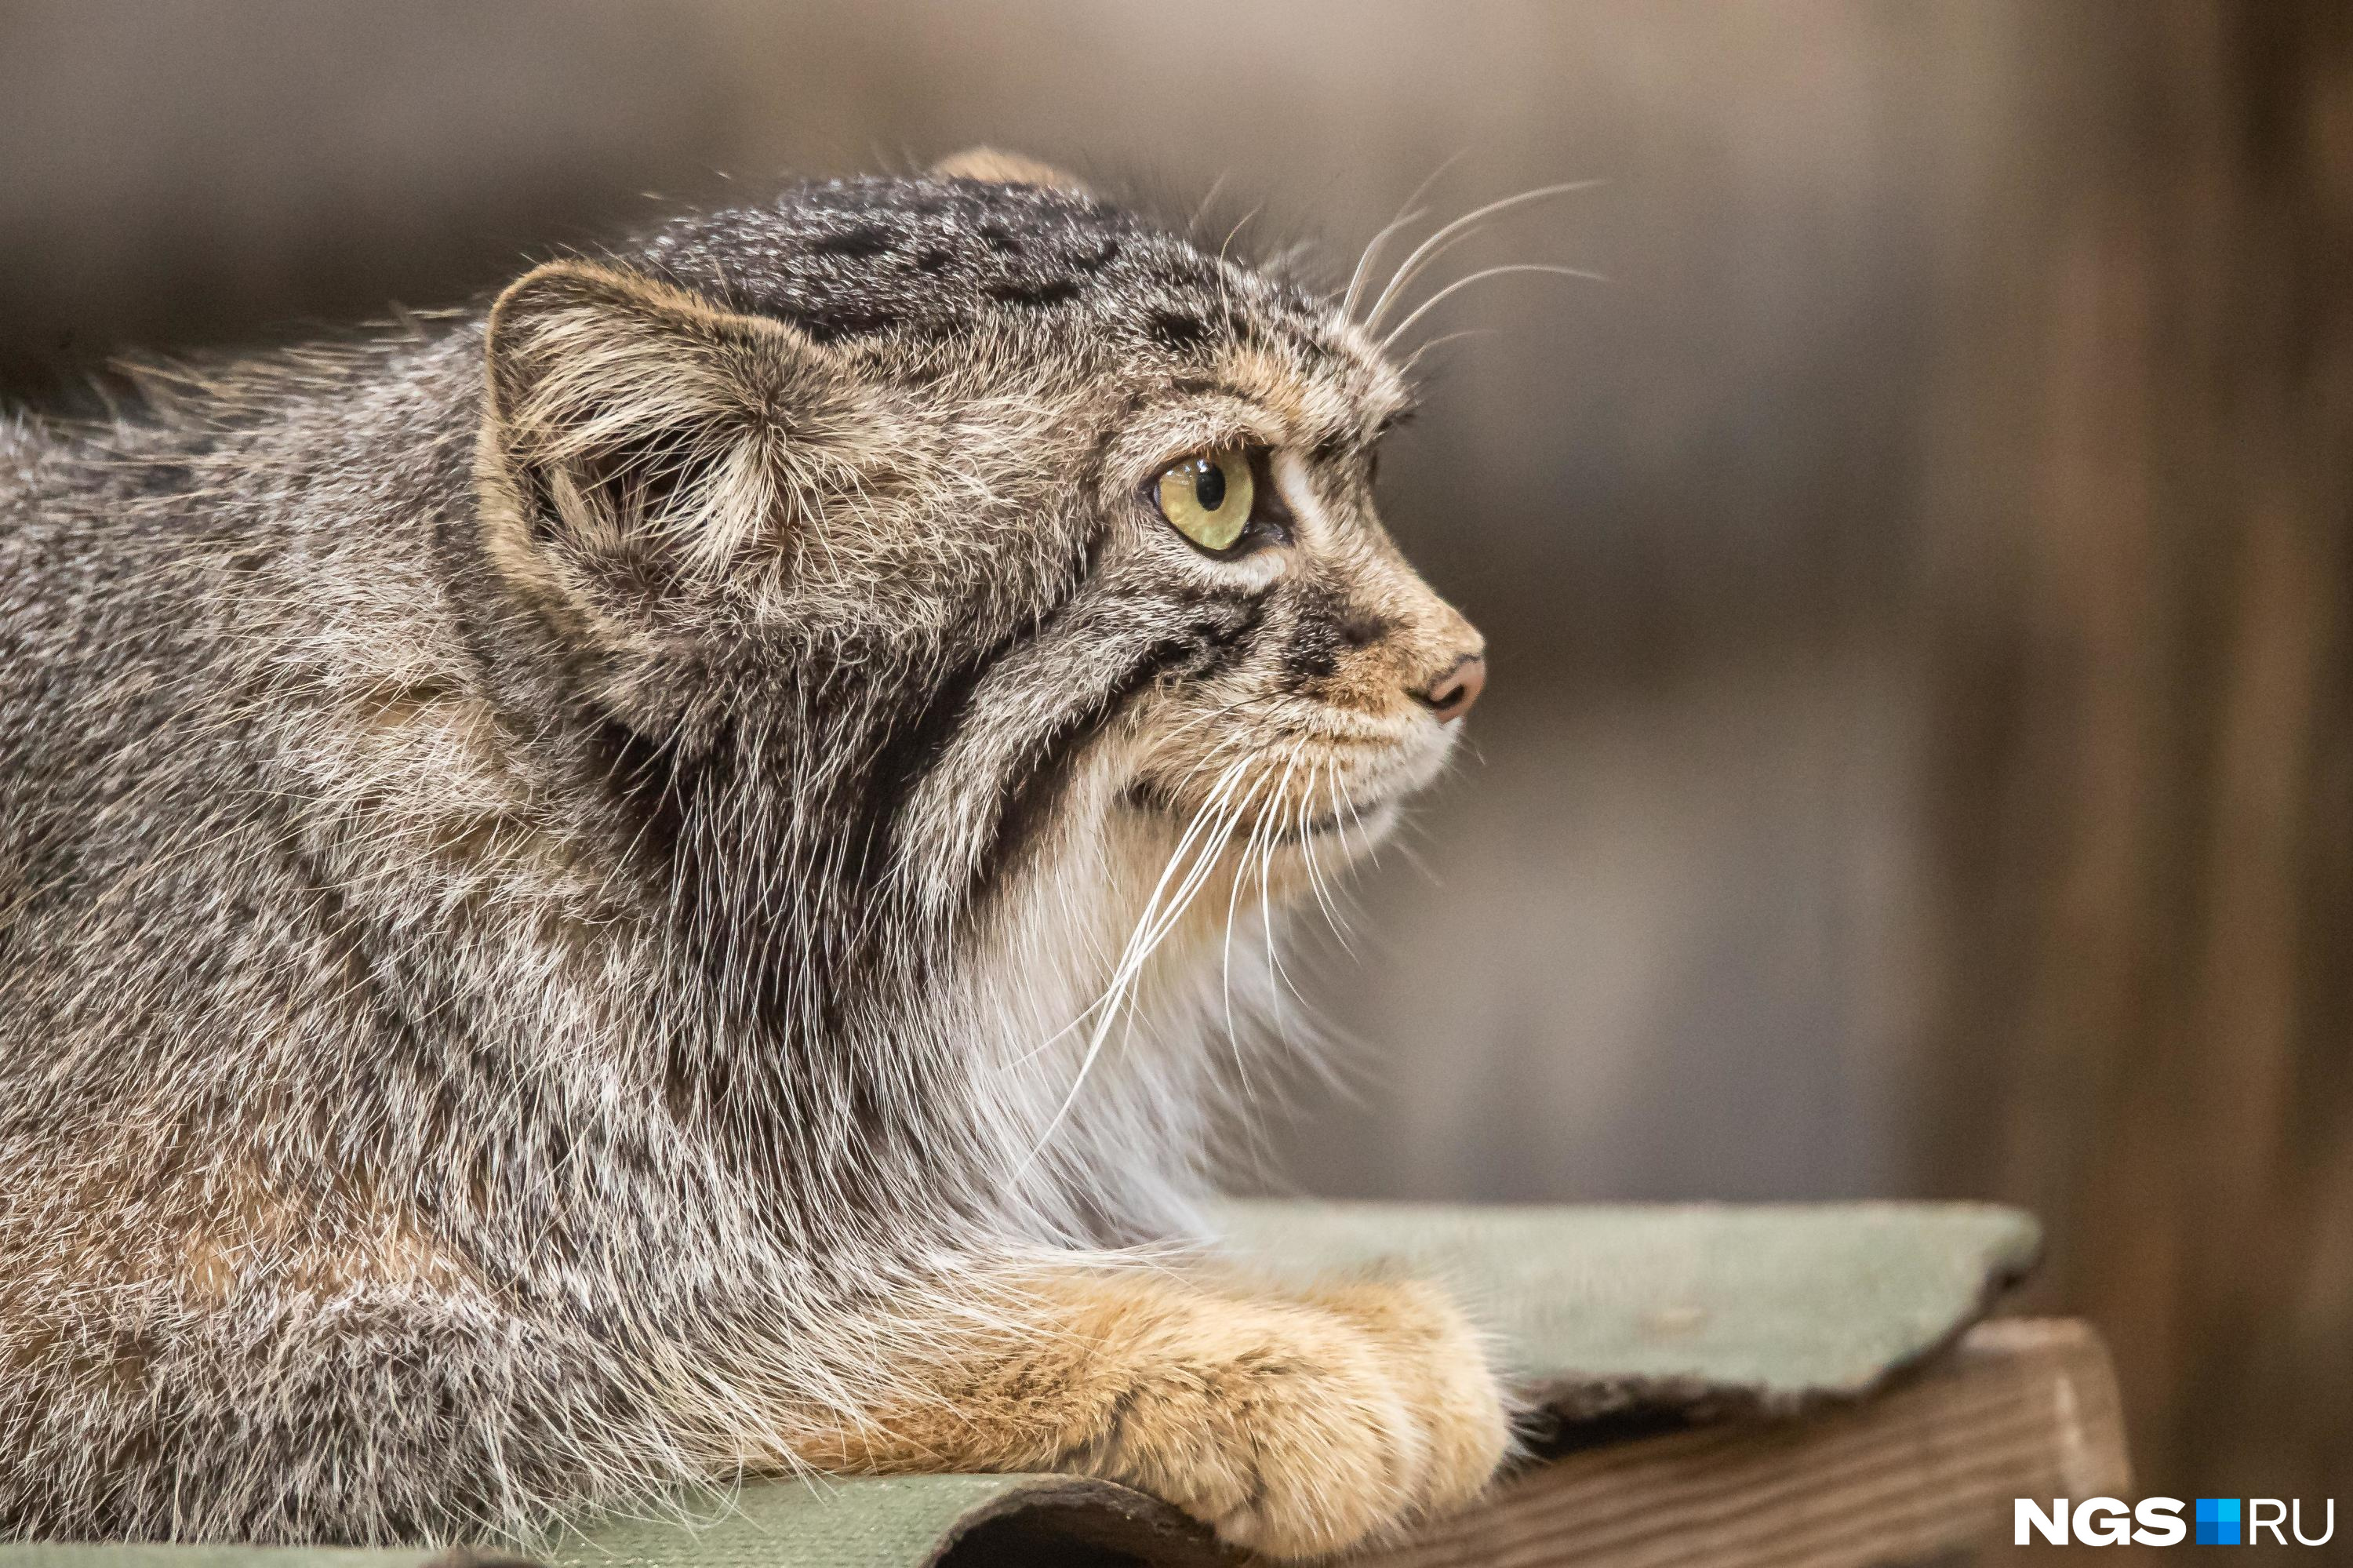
[(1177, 330), (859, 243), (1035, 292)]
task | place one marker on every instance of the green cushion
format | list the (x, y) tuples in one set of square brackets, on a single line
[(1689, 1306)]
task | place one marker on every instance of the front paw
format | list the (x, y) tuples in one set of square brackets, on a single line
[(1301, 1428), (1441, 1365)]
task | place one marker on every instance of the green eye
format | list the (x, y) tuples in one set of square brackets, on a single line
[(1207, 497)]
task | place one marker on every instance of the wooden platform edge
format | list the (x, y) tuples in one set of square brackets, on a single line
[(1926, 1470)]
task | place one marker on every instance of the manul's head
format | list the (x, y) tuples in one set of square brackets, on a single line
[(1011, 527)]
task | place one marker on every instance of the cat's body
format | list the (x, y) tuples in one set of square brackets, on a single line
[(553, 924)]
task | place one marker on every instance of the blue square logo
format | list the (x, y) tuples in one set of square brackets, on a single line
[(2218, 1521)]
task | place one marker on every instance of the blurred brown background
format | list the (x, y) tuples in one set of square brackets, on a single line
[(1920, 760)]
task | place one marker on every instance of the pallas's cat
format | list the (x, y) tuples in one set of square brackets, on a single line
[(649, 884)]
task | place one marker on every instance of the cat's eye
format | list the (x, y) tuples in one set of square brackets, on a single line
[(1207, 497)]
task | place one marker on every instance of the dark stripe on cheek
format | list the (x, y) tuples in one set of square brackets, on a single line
[(911, 751), (1210, 644), (1220, 630), (660, 788)]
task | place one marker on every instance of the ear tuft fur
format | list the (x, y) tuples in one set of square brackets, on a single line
[(992, 167), (627, 417)]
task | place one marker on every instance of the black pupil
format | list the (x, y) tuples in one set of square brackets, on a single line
[(1208, 485)]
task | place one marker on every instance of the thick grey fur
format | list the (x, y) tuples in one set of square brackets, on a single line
[(473, 1045)]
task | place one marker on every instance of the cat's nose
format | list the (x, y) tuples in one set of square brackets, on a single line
[(1451, 695)]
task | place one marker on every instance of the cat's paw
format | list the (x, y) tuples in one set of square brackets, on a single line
[(1441, 1368), (1301, 1428)]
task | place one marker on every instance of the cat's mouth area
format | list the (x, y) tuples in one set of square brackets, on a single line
[(1313, 784), (1361, 813)]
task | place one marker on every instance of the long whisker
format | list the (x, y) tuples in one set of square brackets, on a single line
[(1460, 283), (1150, 931), (1372, 851), (1344, 815), (1239, 224), (1339, 831), (1218, 793), (1234, 894), (1408, 211), (1365, 262), (1317, 877), (1266, 906), (1202, 210), (1260, 842), (1440, 341), (1423, 253)]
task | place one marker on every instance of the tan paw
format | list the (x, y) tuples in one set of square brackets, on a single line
[(1440, 1366), (1298, 1428)]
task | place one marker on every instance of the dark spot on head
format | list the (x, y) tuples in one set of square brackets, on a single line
[(1038, 295), (1182, 274), (857, 243), (1175, 331), (831, 323), (934, 259), (1001, 239)]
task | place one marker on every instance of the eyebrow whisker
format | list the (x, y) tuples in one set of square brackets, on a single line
[(1441, 340), (1443, 239), (1408, 211), (1459, 284)]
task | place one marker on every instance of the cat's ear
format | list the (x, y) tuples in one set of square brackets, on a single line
[(992, 167), (628, 420)]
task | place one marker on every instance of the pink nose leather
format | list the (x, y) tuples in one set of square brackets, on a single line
[(1451, 696)]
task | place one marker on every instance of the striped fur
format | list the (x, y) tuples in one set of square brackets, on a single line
[(653, 881)]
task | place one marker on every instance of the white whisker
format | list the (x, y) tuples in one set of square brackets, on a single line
[(1426, 251), (1409, 210), (1219, 810), (1364, 262), (1441, 341), (1460, 283)]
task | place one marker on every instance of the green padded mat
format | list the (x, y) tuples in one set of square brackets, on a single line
[(1696, 1306), (1601, 1311)]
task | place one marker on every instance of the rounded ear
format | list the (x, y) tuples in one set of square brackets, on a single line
[(992, 167), (627, 417)]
